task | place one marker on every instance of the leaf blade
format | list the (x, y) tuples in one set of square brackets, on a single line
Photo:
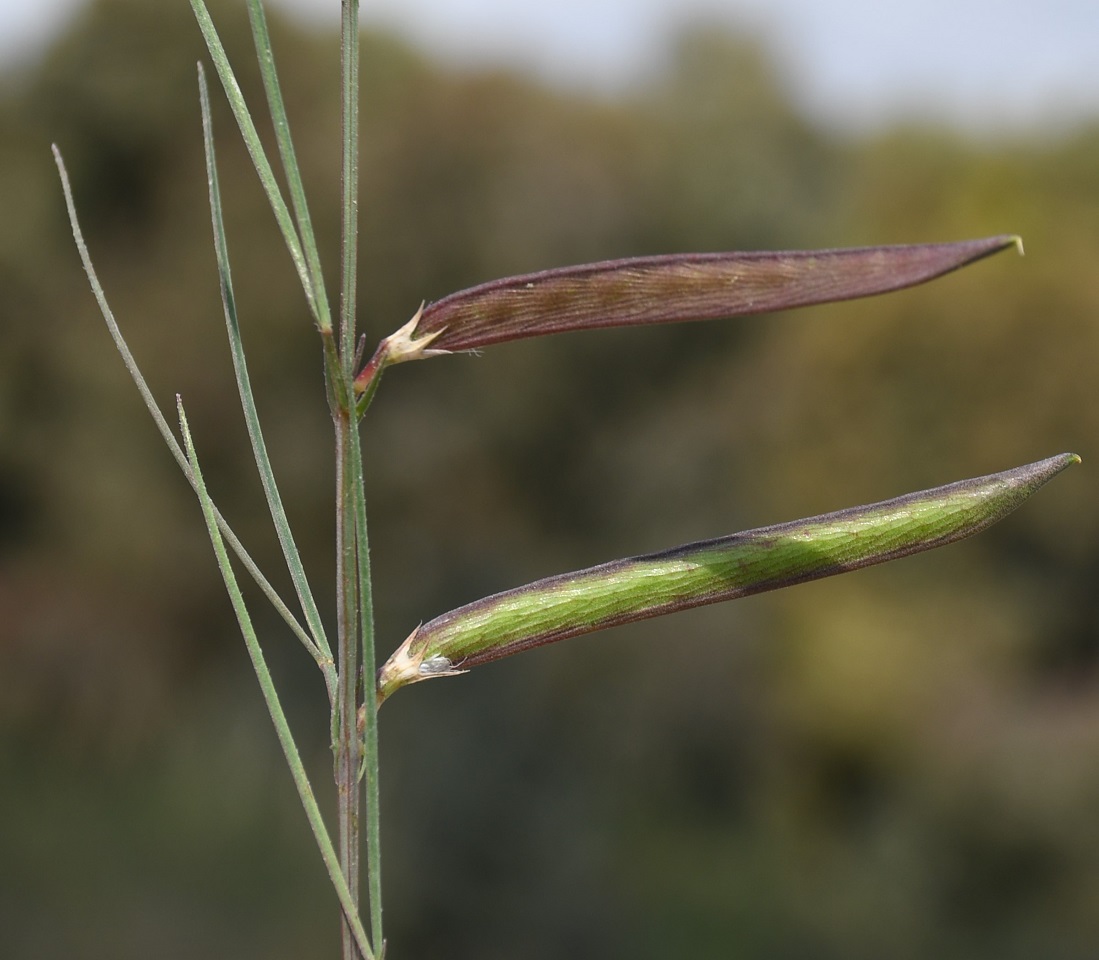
[(320, 648), (271, 698), (316, 297), (151, 405)]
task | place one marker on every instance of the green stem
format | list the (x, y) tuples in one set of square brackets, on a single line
[(369, 708), (349, 492), (347, 741)]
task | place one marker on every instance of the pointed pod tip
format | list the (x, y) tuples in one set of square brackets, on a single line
[(997, 244), (1003, 241), (1063, 460), (1041, 472)]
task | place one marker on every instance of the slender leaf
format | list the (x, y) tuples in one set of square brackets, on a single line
[(248, 404), (162, 424), (349, 175), (266, 56), (318, 303), (667, 289), (708, 572), (274, 706)]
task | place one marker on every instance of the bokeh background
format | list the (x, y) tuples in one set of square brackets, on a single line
[(901, 763)]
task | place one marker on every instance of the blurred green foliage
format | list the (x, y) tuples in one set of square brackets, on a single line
[(901, 763)]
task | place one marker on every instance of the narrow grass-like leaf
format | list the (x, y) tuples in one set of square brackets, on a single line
[(274, 707), (318, 302), (248, 402), (162, 424), (708, 572), (266, 55), (349, 175), (669, 289)]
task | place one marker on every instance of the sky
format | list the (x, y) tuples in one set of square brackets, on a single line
[(984, 64)]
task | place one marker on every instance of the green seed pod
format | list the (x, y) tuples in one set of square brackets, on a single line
[(708, 571)]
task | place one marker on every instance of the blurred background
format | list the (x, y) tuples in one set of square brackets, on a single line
[(900, 763)]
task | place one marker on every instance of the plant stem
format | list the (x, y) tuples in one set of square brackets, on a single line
[(350, 551), (369, 709), (347, 740)]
